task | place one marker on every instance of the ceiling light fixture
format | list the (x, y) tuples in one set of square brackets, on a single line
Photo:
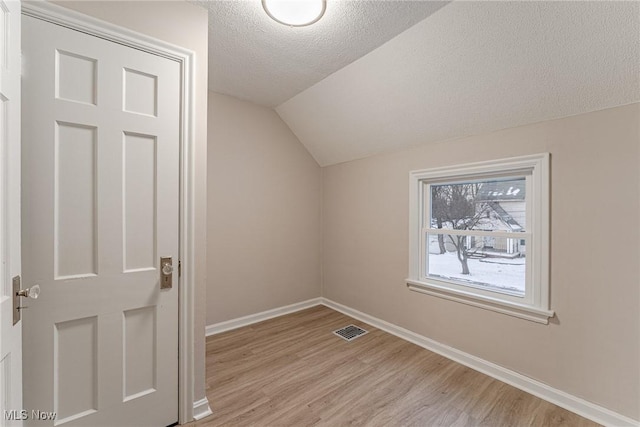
[(295, 13)]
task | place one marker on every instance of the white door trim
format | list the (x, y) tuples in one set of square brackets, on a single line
[(62, 16)]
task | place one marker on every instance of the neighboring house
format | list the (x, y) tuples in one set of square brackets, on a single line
[(497, 206), (502, 205)]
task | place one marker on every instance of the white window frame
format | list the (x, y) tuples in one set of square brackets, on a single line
[(534, 306)]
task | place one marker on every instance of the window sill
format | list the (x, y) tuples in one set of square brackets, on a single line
[(532, 314)]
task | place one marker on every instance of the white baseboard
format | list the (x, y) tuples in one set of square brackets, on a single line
[(557, 397), (201, 409), (229, 325)]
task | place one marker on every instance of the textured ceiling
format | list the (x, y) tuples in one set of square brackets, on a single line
[(254, 58), (473, 67)]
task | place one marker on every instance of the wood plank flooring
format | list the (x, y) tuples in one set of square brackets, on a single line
[(292, 371)]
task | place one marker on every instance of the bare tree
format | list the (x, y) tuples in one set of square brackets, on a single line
[(455, 205), (438, 203)]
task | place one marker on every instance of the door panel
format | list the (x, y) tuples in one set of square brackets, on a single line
[(101, 132), (74, 200), (75, 361), (10, 334)]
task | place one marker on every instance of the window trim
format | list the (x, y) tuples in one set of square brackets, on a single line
[(536, 167)]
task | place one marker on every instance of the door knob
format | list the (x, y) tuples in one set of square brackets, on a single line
[(166, 272), (32, 292), (167, 269)]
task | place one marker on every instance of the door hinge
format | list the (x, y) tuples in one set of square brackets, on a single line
[(179, 268)]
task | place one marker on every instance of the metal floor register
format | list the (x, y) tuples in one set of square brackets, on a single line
[(350, 332)]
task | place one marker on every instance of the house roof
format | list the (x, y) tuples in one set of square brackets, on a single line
[(505, 216), (502, 191)]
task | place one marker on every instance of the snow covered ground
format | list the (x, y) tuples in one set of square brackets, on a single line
[(507, 274)]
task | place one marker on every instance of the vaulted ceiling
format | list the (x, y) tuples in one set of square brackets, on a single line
[(379, 76), (254, 58)]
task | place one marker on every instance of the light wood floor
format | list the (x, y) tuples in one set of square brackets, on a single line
[(292, 371)]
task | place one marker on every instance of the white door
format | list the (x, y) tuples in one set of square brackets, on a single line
[(10, 334), (100, 207)]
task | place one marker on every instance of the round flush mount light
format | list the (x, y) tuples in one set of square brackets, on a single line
[(295, 13)]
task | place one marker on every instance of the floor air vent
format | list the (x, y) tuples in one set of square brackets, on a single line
[(350, 332)]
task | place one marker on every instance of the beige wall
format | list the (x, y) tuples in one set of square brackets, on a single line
[(185, 25), (591, 349), (264, 195)]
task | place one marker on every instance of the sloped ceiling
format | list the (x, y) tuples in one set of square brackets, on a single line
[(254, 58), (472, 67)]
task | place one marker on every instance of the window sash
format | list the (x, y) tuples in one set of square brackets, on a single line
[(455, 232), (478, 289), (426, 230)]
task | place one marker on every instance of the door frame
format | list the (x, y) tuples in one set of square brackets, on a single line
[(89, 25)]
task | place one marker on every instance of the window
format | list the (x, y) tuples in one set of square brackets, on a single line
[(480, 235)]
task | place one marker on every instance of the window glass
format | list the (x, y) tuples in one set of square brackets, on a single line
[(483, 262)]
